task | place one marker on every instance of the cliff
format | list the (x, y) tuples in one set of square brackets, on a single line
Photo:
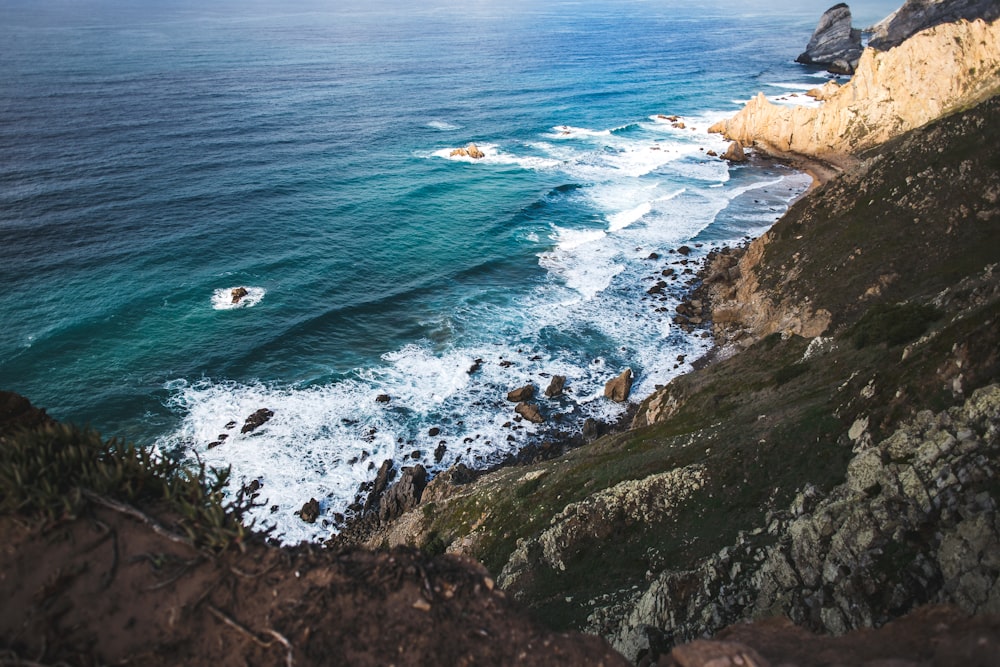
[(936, 72), (867, 316), (916, 15)]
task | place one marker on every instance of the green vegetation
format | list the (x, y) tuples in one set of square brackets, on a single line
[(893, 324), (55, 473)]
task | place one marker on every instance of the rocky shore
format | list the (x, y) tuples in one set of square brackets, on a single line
[(833, 467)]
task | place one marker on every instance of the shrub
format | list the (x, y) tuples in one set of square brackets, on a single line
[(893, 324)]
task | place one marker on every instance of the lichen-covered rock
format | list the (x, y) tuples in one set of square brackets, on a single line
[(914, 522)]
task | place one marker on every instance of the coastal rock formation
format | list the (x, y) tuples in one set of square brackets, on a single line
[(735, 153), (914, 522), (256, 420), (530, 412), (472, 151), (524, 393), (937, 71), (916, 15), (238, 293), (556, 386), (618, 389), (834, 44)]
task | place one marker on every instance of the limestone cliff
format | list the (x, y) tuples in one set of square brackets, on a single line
[(938, 71)]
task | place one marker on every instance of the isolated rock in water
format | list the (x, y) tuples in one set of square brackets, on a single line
[(834, 44), (917, 15), (556, 386), (523, 394), (619, 388), (530, 412), (256, 420), (472, 150), (310, 511), (735, 153), (238, 293)]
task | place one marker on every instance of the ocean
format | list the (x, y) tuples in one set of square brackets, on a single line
[(155, 156)]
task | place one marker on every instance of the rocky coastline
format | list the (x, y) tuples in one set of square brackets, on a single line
[(832, 467)]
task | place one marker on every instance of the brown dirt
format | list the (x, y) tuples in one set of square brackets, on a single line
[(105, 589)]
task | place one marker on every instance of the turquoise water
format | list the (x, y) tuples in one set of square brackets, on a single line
[(153, 158)]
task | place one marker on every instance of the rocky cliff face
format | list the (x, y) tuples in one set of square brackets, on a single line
[(940, 70), (834, 44), (917, 15), (914, 522)]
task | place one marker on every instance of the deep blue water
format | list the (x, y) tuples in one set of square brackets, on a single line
[(152, 157)]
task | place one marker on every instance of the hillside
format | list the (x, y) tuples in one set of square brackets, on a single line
[(680, 526)]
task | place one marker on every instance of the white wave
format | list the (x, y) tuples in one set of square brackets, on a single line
[(222, 299), (570, 132), (619, 221), (568, 239), (492, 155), (443, 126)]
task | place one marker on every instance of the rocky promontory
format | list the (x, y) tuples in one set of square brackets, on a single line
[(835, 44), (938, 71), (916, 15)]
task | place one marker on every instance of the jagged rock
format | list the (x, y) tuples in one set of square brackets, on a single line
[(937, 71), (556, 386), (404, 495), (834, 44), (735, 153), (619, 388), (824, 92), (256, 420), (521, 394), (916, 15), (914, 522), (386, 473), (530, 412), (383, 398), (472, 150), (310, 511), (439, 452), (238, 293)]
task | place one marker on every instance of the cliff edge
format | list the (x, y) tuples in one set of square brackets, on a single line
[(936, 72)]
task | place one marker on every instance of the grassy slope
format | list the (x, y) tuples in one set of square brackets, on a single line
[(919, 216)]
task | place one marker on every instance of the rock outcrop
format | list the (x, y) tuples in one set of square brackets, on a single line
[(935, 72), (256, 420), (835, 44), (914, 522), (618, 389), (472, 151), (917, 15)]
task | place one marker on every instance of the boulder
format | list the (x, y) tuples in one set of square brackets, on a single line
[(619, 388), (556, 386), (383, 398), (310, 511), (524, 393), (472, 150), (824, 92), (834, 44), (735, 153), (238, 293), (256, 420), (530, 412)]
